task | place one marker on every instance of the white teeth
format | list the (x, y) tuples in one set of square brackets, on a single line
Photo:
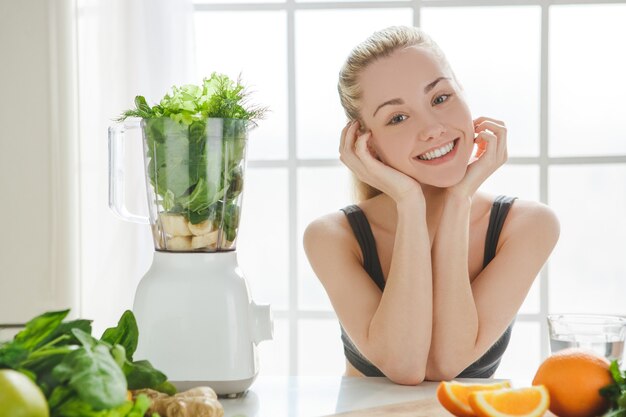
[(437, 153)]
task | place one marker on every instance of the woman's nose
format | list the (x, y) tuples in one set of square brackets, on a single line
[(433, 130)]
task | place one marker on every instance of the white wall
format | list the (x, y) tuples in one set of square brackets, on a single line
[(60, 245), (38, 233)]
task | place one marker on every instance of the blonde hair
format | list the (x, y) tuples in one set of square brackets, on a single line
[(379, 45)]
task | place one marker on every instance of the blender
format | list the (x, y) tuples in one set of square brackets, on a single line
[(197, 321)]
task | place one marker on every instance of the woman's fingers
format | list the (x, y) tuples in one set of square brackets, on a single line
[(348, 136), (487, 142), (346, 148), (351, 140), (361, 146), (350, 149), (496, 126), (342, 139), (484, 124), (487, 119), (491, 154)]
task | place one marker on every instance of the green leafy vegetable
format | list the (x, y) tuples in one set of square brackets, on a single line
[(195, 143), (141, 374), (93, 373), (217, 97), (38, 329), (75, 407), (616, 393), (126, 333), (79, 374)]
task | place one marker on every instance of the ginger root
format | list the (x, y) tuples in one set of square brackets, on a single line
[(196, 402)]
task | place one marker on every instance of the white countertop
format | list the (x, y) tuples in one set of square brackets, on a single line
[(308, 396)]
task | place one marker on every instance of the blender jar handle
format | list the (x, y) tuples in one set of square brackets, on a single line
[(117, 189)]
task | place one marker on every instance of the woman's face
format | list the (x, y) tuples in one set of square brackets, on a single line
[(420, 122)]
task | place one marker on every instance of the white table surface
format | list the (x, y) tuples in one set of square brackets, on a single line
[(308, 396)]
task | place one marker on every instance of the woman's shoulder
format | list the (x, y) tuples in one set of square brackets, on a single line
[(529, 218), (330, 232), (330, 225), (526, 212)]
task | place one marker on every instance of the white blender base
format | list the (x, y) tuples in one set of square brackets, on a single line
[(197, 322)]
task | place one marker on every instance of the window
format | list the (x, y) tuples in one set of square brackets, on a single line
[(552, 72)]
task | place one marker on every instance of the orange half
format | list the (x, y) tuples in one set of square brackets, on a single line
[(520, 402), (454, 396)]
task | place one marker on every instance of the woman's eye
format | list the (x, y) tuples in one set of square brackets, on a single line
[(397, 119), (443, 95)]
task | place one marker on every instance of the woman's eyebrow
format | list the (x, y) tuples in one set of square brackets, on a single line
[(396, 101)]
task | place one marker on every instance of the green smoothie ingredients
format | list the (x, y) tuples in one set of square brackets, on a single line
[(218, 97), (195, 147), (78, 374)]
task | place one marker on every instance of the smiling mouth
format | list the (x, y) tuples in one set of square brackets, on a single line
[(439, 152)]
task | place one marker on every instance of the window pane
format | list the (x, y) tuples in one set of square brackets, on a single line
[(222, 46), (531, 303), (334, 184), (262, 246), (321, 350), (520, 181), (274, 354), (319, 57), (523, 355), (587, 84), (495, 54), (587, 268)]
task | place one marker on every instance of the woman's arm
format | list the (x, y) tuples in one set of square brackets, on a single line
[(455, 317), (391, 328), (468, 319), (530, 233)]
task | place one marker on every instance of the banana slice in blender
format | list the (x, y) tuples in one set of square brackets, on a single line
[(175, 224), (201, 228), (205, 240), (178, 243)]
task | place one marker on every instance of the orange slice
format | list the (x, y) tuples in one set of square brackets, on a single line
[(454, 395), (520, 402)]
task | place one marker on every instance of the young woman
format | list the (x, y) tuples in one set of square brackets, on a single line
[(425, 273)]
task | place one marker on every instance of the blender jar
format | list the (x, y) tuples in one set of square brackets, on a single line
[(194, 181)]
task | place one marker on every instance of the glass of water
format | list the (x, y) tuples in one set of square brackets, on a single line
[(602, 334)]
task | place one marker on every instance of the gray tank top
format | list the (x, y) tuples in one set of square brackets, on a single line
[(487, 364)]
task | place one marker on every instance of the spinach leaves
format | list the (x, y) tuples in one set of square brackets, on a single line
[(79, 374)]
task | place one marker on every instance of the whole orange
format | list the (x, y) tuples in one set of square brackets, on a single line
[(573, 378)]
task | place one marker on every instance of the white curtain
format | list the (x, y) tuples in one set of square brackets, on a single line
[(125, 48)]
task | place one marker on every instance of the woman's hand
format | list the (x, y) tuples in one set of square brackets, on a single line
[(491, 155), (355, 153)]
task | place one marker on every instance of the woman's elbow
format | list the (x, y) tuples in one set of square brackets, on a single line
[(407, 379), (404, 374), (440, 373)]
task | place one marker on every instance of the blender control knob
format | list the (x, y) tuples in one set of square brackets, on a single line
[(261, 322)]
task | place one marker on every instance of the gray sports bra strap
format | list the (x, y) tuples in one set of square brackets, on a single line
[(365, 237), (499, 211)]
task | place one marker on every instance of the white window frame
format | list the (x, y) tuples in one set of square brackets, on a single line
[(294, 314)]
